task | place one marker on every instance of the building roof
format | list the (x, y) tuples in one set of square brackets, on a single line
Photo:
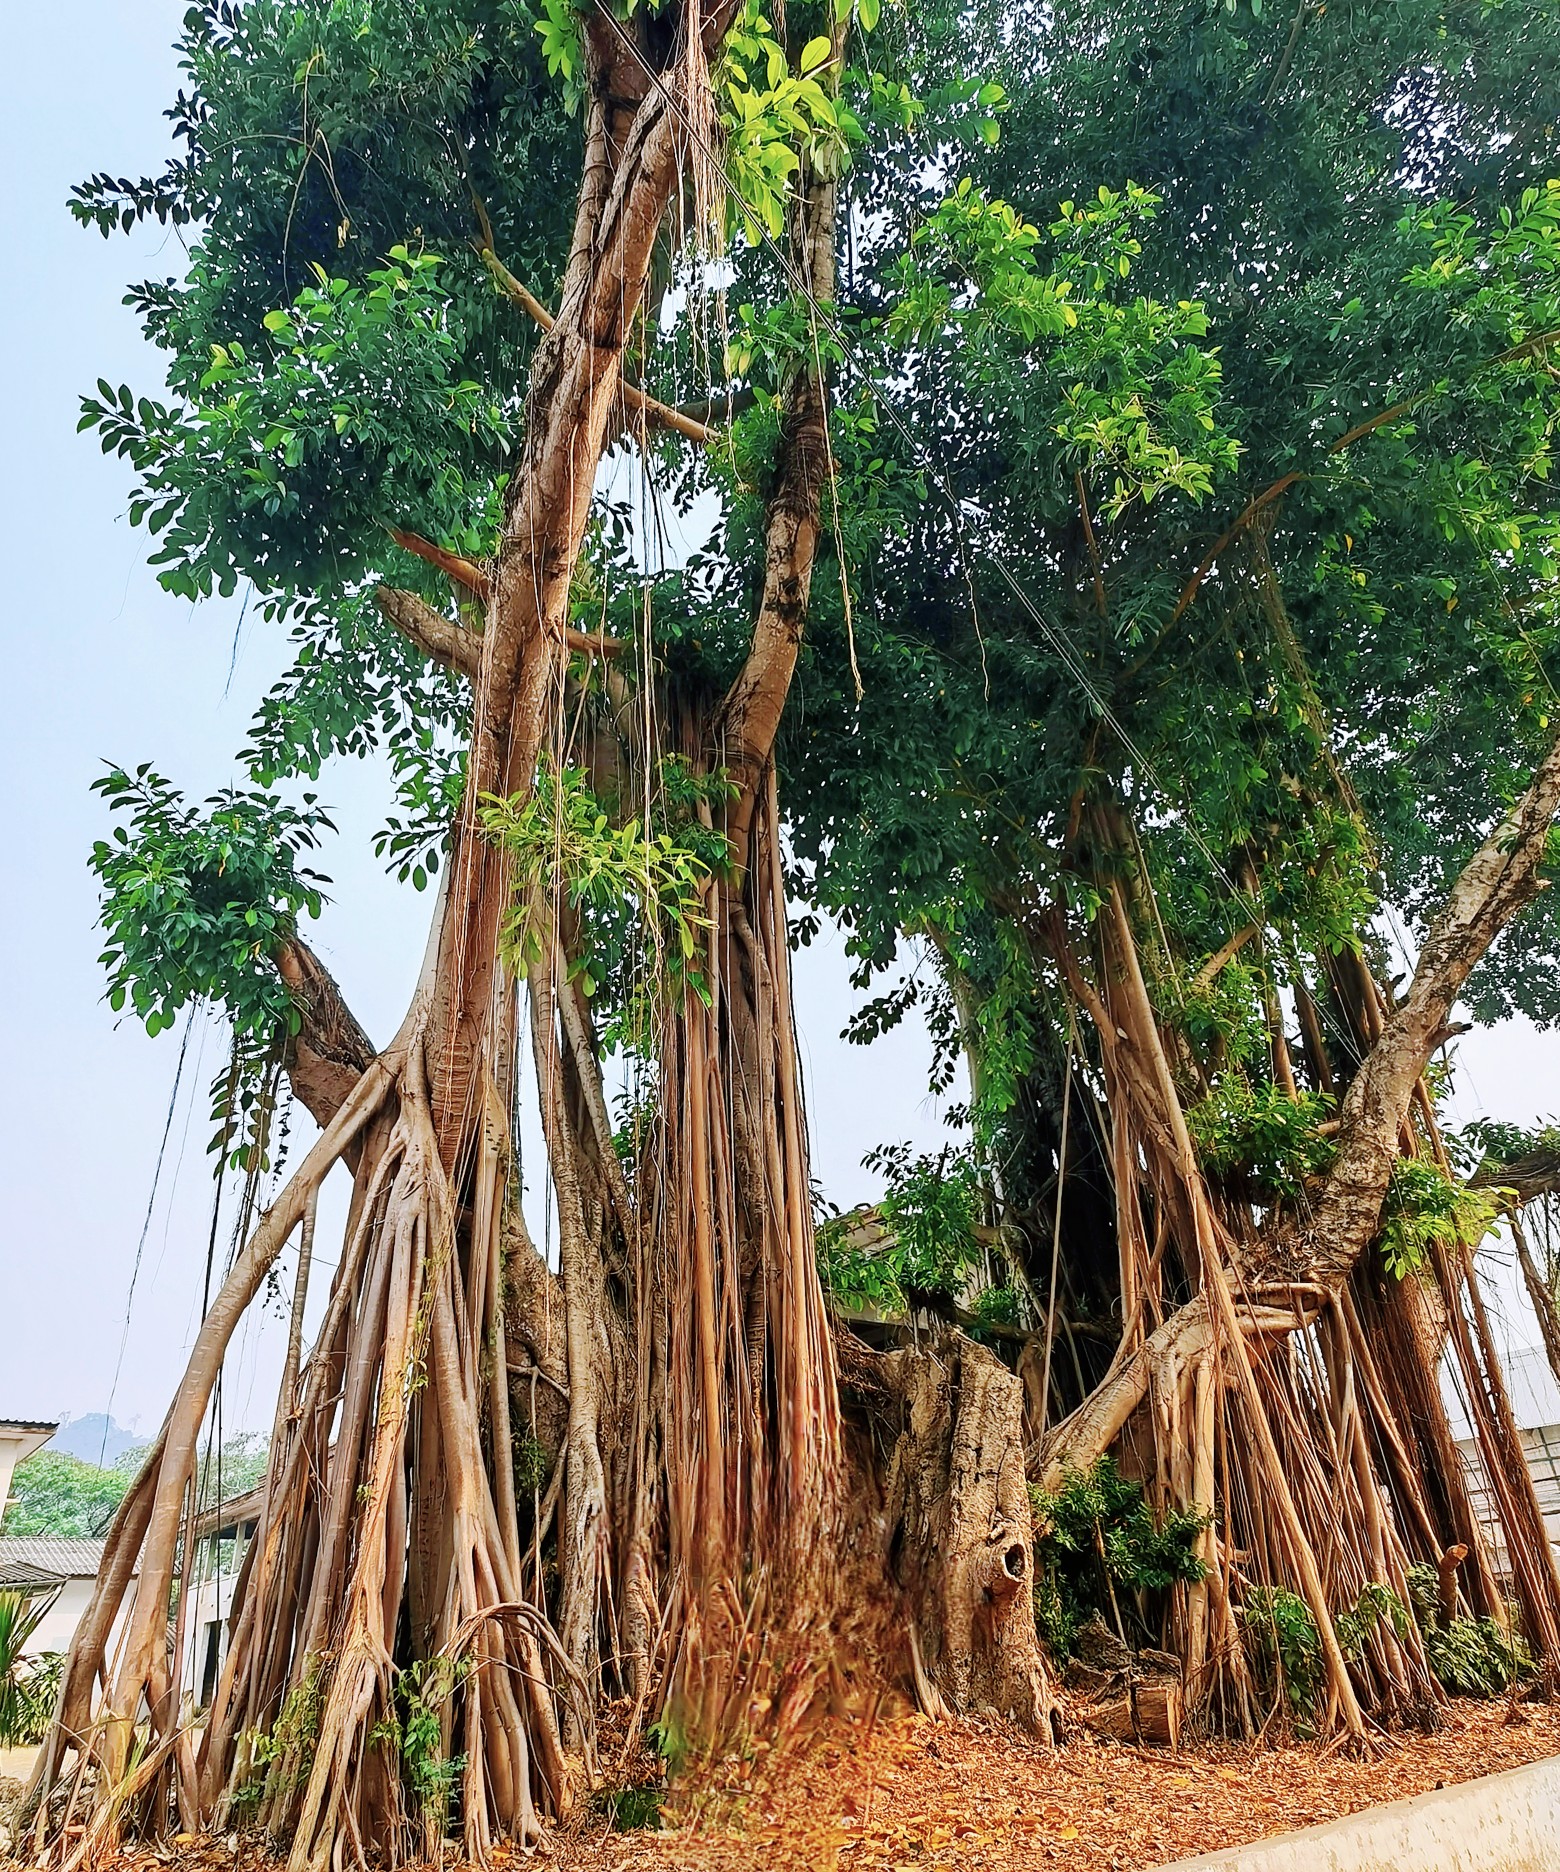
[(230, 1515), (20, 1576), (26, 1423), (52, 1553)]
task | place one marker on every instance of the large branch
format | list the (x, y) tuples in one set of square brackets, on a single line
[(1535, 1173), (1497, 881), (1312, 1261), (440, 637), (330, 1053), (450, 644)]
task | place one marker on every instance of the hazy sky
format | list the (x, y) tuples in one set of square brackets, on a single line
[(101, 665)]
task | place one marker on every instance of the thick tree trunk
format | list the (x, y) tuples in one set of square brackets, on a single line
[(391, 1485), (959, 1547)]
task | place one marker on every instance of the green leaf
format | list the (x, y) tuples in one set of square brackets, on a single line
[(815, 53)]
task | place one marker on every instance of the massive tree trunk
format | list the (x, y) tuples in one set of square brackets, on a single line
[(390, 1503), (496, 1493), (944, 1516)]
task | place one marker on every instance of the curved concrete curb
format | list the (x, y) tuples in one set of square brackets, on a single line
[(1504, 1823)]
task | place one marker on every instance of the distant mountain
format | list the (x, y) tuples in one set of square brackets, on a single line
[(95, 1439)]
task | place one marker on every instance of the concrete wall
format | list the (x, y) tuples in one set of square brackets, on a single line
[(1503, 1823)]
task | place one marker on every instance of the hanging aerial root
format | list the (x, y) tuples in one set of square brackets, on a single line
[(140, 1556)]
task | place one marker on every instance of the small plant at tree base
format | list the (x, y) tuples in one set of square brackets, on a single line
[(1288, 1649), (1376, 1603), (417, 1736), (1470, 1657), (1097, 1534), (1288, 1646), (667, 1736), (295, 1733), (631, 1809)]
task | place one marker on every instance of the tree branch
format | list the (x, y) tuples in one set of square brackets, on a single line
[(1535, 1173), (331, 1052), (1259, 503), (1497, 881), (636, 399), (449, 643), (1208, 973), (1311, 1262), (749, 718), (438, 637)]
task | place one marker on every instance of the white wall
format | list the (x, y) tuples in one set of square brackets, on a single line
[(59, 1625)]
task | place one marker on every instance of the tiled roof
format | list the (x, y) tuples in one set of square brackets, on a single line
[(51, 1553), (23, 1423), (18, 1576)]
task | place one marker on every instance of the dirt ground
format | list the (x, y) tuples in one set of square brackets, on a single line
[(914, 1796)]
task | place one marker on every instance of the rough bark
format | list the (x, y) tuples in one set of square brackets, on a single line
[(391, 1487), (330, 1053), (951, 1528)]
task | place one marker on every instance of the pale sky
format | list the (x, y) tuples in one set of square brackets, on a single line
[(102, 666)]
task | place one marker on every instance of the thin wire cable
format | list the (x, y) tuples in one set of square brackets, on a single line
[(1056, 1220), (146, 1223)]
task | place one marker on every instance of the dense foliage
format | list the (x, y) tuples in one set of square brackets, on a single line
[(52, 1493)]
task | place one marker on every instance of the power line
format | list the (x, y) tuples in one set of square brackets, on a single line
[(146, 1223)]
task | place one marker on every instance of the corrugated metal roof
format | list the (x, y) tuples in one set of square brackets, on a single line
[(23, 1423), (70, 1559)]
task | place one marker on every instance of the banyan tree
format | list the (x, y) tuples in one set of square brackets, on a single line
[(1124, 586)]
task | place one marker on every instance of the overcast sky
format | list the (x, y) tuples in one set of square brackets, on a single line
[(102, 666)]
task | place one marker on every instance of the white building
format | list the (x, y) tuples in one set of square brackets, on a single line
[(18, 1440), (222, 1537), (54, 1564)]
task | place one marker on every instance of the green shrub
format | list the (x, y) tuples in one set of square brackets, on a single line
[(28, 1686), (1098, 1541), (1425, 1208), (1262, 1133), (1470, 1657), (1287, 1648), (630, 1808)]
